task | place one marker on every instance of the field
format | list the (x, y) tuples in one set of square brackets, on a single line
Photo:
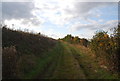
[(49, 59)]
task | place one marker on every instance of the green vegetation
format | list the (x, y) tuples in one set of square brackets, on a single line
[(106, 47), (75, 40), (45, 65), (68, 67), (89, 64), (22, 51), (34, 56)]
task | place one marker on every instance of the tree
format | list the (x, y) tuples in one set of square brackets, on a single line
[(84, 42), (68, 38), (107, 48), (76, 39)]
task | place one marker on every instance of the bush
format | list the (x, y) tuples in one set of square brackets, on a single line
[(75, 40), (107, 48), (9, 60)]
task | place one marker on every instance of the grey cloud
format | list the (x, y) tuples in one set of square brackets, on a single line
[(16, 0), (34, 21), (82, 9), (20, 10), (106, 26), (17, 10), (87, 6)]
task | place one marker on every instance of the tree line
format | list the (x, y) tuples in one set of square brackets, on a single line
[(75, 40)]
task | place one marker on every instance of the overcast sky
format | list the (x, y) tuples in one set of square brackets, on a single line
[(57, 18)]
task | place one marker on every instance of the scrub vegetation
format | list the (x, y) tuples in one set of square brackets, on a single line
[(35, 56)]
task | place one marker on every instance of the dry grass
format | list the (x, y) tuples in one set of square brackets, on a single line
[(21, 51)]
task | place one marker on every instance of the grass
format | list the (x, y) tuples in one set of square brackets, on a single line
[(45, 65), (39, 57), (31, 53), (68, 61), (89, 64), (68, 67)]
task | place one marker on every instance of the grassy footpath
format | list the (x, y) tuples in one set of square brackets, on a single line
[(78, 62), (45, 65), (58, 63), (68, 67), (68, 61)]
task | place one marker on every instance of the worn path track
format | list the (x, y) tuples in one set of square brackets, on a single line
[(68, 67), (73, 62)]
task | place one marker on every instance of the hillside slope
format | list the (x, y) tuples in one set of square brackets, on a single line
[(33, 56), (21, 51)]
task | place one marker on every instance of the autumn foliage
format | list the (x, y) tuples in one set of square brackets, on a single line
[(107, 47), (75, 40)]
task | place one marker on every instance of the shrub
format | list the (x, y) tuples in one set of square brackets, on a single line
[(9, 60), (75, 40), (107, 48)]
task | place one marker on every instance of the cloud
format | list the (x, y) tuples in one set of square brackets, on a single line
[(16, 1), (17, 10), (57, 12), (63, 0), (54, 34), (87, 9), (33, 21), (62, 12), (94, 25), (20, 10)]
